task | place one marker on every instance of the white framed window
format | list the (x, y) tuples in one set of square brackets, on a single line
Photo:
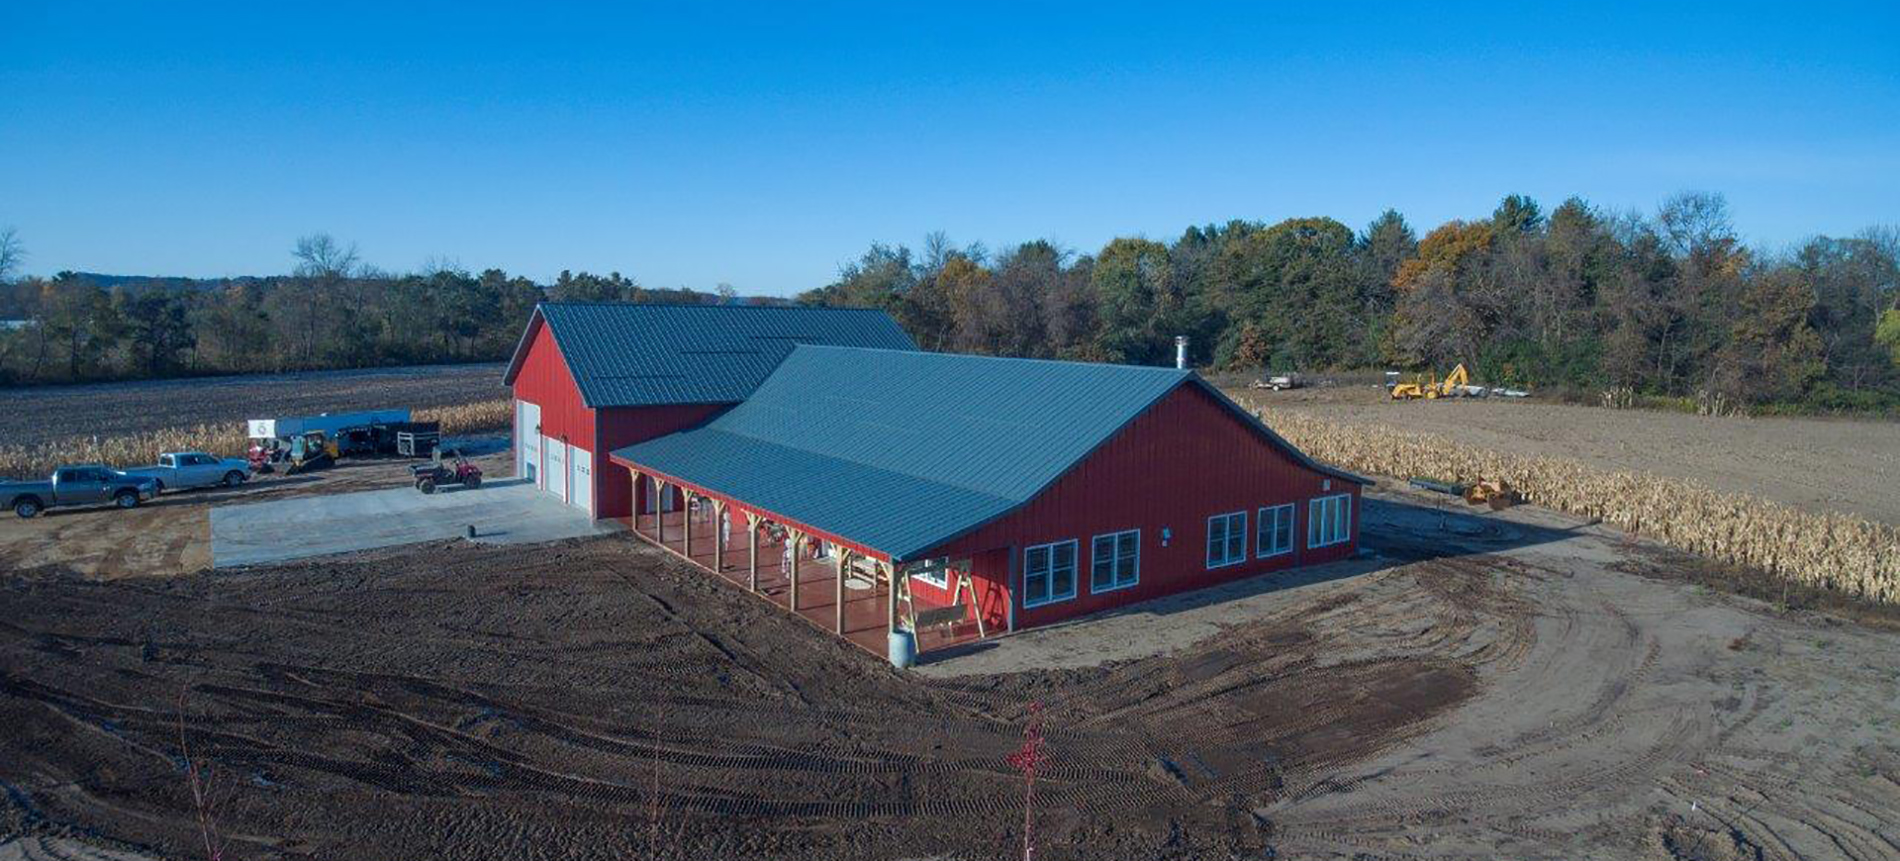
[(1226, 539), (1276, 531), (1049, 573), (1329, 520), (1115, 561), (936, 571)]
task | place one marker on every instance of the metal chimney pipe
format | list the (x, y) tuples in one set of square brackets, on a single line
[(1180, 352)]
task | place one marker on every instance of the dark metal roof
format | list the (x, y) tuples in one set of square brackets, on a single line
[(626, 354), (902, 451)]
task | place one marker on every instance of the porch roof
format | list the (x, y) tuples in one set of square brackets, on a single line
[(893, 512)]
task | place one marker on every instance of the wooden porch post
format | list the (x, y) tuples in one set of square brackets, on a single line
[(752, 549), (889, 570), (841, 562), (719, 535), (635, 494), (686, 517), (798, 543), (659, 511)]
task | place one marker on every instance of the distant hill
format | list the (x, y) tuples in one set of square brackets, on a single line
[(165, 282)]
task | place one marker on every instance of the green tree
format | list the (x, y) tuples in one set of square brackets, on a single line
[(1295, 289), (157, 329), (1135, 300), (78, 315), (1517, 213), (1888, 334)]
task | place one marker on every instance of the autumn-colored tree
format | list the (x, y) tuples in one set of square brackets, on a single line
[(1773, 353)]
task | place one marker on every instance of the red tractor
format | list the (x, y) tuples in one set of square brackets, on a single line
[(460, 471)]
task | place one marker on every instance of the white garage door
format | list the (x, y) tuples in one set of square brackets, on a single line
[(581, 464), (528, 441), (556, 463)]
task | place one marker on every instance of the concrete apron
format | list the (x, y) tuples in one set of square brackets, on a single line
[(507, 511)]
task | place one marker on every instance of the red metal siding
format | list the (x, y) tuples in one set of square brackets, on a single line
[(1184, 460), (624, 426), (544, 380)]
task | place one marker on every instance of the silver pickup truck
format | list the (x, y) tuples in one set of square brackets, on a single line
[(87, 484), (183, 470)]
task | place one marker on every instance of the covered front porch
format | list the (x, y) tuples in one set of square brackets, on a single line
[(851, 591)]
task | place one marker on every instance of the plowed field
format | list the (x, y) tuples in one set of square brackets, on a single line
[(1535, 689)]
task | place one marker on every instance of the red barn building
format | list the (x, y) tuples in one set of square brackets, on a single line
[(592, 377), (869, 488)]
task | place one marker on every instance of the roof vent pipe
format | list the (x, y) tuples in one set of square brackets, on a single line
[(1180, 352)]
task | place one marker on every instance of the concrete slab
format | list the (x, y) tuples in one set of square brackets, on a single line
[(508, 511)]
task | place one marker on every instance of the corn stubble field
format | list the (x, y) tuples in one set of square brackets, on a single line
[(1827, 550), (226, 439)]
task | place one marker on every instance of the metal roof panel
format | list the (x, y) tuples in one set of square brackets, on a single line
[(631, 354)]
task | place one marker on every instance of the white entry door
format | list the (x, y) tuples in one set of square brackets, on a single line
[(581, 466), (528, 441), (557, 474)]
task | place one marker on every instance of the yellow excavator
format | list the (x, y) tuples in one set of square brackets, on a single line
[(1431, 388)]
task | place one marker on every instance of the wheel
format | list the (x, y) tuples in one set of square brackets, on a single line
[(472, 482), (426, 485), (27, 508), (233, 478), (126, 499)]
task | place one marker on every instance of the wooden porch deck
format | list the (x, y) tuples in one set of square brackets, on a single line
[(866, 601)]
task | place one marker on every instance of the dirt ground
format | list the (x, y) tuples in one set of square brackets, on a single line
[(171, 535), (1514, 685), (1818, 464), (36, 414)]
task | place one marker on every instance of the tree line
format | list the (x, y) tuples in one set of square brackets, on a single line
[(1668, 304), (331, 311), (1581, 299)]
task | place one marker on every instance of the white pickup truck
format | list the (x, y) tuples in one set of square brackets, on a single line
[(183, 470)]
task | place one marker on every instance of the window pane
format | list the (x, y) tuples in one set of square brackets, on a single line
[(1038, 560), (1216, 539), (1343, 526), (1065, 555), (1035, 587), (1102, 562), (1313, 520), (1283, 527), (1063, 583), (1127, 558)]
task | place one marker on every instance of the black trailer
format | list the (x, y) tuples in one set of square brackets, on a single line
[(417, 439)]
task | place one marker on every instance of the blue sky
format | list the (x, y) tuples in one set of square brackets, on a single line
[(764, 145)]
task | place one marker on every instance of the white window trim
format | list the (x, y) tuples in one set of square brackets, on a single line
[(1292, 530), (1236, 560), (1075, 559), (1316, 522), (1115, 560)]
